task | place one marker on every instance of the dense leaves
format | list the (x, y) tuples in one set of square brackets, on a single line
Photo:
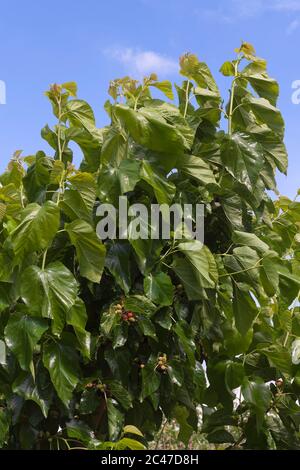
[(98, 334)]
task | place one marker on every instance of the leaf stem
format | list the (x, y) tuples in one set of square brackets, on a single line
[(44, 259), (58, 130), (232, 89), (186, 98), (292, 314), (256, 265)]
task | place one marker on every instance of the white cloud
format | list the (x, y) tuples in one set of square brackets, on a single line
[(141, 63), (287, 5), (230, 11), (295, 24)]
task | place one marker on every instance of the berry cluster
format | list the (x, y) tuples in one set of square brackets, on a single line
[(126, 315), (162, 364), (96, 385)]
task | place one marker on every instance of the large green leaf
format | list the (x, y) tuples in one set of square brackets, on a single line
[(264, 86), (117, 261), (159, 288), (61, 361), (38, 177), (89, 249), (184, 334), (50, 292), (150, 129), (36, 230), (189, 279), (119, 393), (77, 317), (266, 113), (201, 264), (22, 334), (38, 391), (78, 201), (80, 114), (244, 308), (113, 181), (150, 380), (243, 158), (164, 190), (115, 420), (196, 168), (198, 71), (249, 239), (140, 304), (5, 421), (258, 395), (181, 415)]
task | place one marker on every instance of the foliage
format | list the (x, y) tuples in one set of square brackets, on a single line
[(97, 335)]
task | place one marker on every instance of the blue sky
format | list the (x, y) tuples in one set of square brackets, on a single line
[(94, 41)]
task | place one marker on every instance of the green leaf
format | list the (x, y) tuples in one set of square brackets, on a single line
[(150, 380), (117, 261), (243, 158), (79, 200), (114, 149), (115, 420), (131, 444), (163, 189), (264, 86), (244, 308), (80, 114), (181, 414), (198, 71), (220, 436), (118, 392), (184, 334), (147, 327), (244, 264), (127, 443), (147, 253), (80, 431), (197, 168), (279, 357), (258, 395), (38, 177), (269, 273), (71, 87), (114, 181), (89, 249), (166, 87), (140, 304), (172, 115), (61, 361), (159, 289), (266, 113), (2, 353), (129, 429), (150, 129), (77, 317), (89, 402), (5, 422), (249, 239), (90, 144), (37, 391), (175, 371), (50, 292), (22, 334), (234, 375), (227, 69), (189, 279), (38, 227), (202, 263)]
